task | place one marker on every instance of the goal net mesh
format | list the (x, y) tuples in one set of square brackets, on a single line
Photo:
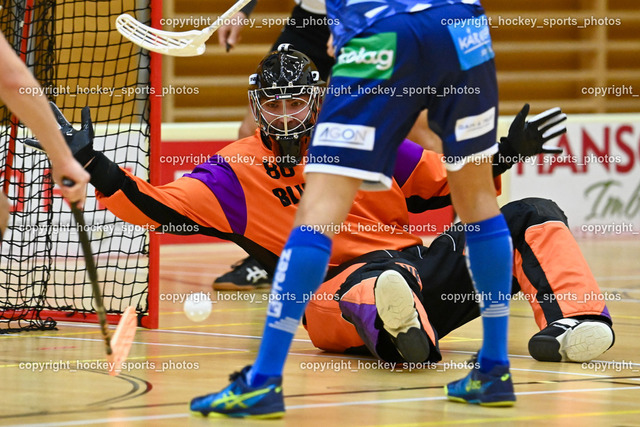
[(79, 58)]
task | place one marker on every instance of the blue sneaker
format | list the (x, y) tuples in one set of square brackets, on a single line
[(239, 400), (494, 388)]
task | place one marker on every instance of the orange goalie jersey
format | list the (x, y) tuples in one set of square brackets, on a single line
[(242, 196)]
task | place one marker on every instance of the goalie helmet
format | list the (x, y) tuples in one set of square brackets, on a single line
[(285, 95)]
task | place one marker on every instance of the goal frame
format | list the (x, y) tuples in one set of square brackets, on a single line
[(149, 320)]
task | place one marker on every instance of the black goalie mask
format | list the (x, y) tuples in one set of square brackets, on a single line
[(285, 94)]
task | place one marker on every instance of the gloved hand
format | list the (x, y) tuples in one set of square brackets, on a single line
[(527, 138), (80, 142)]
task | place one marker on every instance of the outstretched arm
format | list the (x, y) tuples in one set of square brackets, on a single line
[(185, 206), (34, 111)]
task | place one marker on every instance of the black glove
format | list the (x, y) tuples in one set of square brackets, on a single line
[(527, 138), (80, 142)]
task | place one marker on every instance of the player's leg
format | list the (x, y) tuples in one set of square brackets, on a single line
[(488, 252), (256, 391), (489, 255), (382, 300), (402, 316), (344, 314), (422, 135), (548, 268), (354, 141), (464, 114), (302, 266), (448, 294), (324, 322), (568, 305)]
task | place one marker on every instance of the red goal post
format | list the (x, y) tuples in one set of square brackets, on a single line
[(79, 58)]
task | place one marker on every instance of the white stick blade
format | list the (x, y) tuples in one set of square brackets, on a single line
[(187, 43)]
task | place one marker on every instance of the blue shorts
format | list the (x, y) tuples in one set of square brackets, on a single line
[(440, 59)]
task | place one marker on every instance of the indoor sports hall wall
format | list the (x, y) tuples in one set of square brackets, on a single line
[(549, 53)]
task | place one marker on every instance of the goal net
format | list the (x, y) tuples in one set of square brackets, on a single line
[(79, 58)]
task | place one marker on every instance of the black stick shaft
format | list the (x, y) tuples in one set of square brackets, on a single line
[(93, 274)]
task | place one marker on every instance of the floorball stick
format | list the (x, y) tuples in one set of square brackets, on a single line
[(118, 346), (185, 43)]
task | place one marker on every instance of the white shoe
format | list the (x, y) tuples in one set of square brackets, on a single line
[(396, 308), (571, 340)]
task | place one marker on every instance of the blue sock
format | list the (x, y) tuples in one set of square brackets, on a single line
[(490, 262), (300, 271)]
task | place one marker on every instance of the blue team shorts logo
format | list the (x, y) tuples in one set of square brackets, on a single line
[(370, 57), (472, 41)]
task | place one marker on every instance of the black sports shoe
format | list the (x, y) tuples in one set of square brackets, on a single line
[(245, 274), (571, 340), (396, 308)]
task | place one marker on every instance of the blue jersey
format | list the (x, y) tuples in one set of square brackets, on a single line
[(349, 18), (439, 59)]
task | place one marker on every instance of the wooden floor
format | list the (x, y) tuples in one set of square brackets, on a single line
[(182, 359)]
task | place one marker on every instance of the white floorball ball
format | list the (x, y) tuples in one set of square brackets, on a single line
[(197, 306)]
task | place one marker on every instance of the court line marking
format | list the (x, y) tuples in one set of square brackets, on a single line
[(511, 419), (157, 344), (52, 334), (168, 275), (143, 358), (136, 407), (192, 264), (257, 337), (215, 310), (218, 334), (332, 356), (337, 356), (295, 353), (370, 402), (614, 278)]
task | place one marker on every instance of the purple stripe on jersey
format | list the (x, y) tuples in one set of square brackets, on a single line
[(218, 175), (409, 154)]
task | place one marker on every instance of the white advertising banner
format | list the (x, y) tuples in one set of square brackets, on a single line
[(596, 180)]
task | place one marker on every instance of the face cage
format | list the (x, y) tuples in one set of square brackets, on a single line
[(267, 121)]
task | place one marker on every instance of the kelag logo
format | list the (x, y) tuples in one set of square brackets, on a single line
[(367, 58), (472, 41)]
